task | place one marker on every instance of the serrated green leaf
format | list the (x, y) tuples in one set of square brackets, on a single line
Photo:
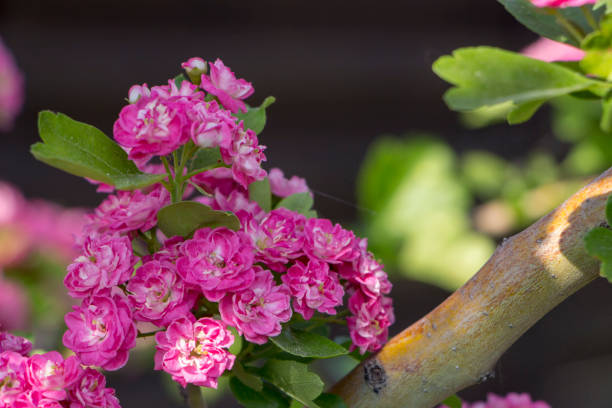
[(327, 400), (255, 117), (85, 151), (307, 344), (487, 76), (259, 191), (523, 112), (543, 21), (452, 402), (294, 379), (301, 203), (598, 243), (250, 398), (206, 159), (184, 218)]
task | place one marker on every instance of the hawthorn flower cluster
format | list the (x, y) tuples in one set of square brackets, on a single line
[(195, 288), (48, 380)]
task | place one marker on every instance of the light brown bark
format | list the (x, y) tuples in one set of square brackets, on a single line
[(458, 343)]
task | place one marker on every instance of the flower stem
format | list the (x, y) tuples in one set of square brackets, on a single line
[(588, 14), (194, 397), (569, 26)]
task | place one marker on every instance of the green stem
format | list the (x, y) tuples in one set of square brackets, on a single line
[(149, 334), (569, 26), (590, 18), (194, 397), (171, 184)]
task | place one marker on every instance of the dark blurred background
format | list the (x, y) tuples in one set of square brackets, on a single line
[(343, 73)]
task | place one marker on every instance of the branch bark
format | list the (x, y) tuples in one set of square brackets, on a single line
[(457, 344)]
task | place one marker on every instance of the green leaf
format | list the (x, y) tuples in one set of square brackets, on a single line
[(248, 379), (295, 380), (307, 344), (259, 191), (184, 218), (300, 202), (452, 402), (85, 151), (178, 80), (523, 112), (206, 159), (236, 347), (251, 398), (255, 118), (487, 76), (604, 4), (327, 400), (606, 114), (598, 243), (542, 21)]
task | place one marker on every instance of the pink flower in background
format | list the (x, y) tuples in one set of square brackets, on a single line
[(49, 374), (158, 295), (562, 3), (369, 325), (194, 352), (314, 288), (218, 261), (550, 51), (11, 204), (328, 242), (128, 211), (9, 342), (511, 400), (222, 83), (91, 391), (257, 311), (101, 331), (11, 88), (14, 306), (283, 187), (107, 261)]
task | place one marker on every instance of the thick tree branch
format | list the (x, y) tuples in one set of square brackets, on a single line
[(458, 343)]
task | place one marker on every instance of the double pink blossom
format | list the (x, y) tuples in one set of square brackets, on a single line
[(245, 155), (512, 400), (314, 288), (369, 325), (13, 380), (107, 260), (328, 242), (128, 211), (158, 295), (194, 352), (50, 374), (211, 126), (91, 391), (222, 83), (218, 261), (366, 273), (283, 187), (9, 342), (258, 311), (101, 331)]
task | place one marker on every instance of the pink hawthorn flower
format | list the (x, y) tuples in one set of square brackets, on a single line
[(245, 155), (13, 381), (328, 242), (217, 260), (128, 211), (369, 327), (313, 287), (366, 273), (169, 252), (511, 400), (50, 374), (211, 126), (550, 51), (11, 88), (107, 261), (101, 331), (257, 311), (9, 342), (283, 187), (562, 3), (138, 91), (278, 238), (194, 352), (218, 181), (91, 391), (158, 295), (223, 84), (237, 201), (194, 64)]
